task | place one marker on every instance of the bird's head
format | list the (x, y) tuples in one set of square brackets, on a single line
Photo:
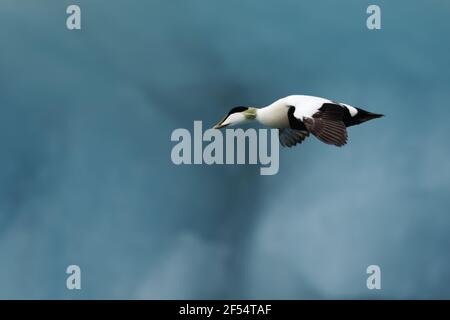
[(236, 116)]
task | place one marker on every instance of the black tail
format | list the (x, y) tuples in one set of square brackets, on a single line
[(364, 115), (361, 116)]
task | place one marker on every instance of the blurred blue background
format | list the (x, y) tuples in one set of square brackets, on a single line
[(86, 176)]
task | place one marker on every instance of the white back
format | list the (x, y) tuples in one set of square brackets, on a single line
[(305, 106)]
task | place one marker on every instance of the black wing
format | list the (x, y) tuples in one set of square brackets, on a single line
[(290, 137), (327, 125)]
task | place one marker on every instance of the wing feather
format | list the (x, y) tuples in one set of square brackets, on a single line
[(327, 125), (290, 137)]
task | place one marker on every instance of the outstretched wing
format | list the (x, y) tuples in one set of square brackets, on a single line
[(327, 125), (290, 137)]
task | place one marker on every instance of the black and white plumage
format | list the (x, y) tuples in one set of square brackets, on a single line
[(298, 116)]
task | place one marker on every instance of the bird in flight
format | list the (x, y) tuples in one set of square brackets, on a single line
[(297, 116)]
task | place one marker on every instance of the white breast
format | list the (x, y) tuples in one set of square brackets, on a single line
[(274, 116)]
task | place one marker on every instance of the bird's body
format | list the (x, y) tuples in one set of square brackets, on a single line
[(275, 114), (298, 115)]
